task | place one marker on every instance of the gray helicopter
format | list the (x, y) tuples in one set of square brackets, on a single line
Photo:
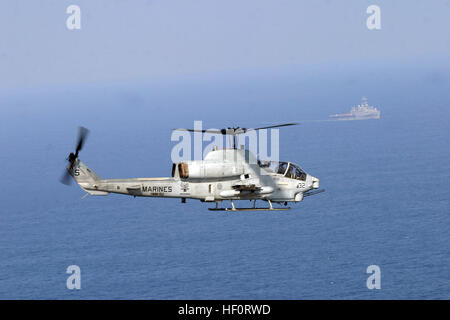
[(228, 174)]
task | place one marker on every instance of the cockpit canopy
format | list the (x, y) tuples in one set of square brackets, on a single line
[(287, 169)]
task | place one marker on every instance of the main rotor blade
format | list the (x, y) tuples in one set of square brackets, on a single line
[(82, 134), (66, 178), (237, 130), (275, 126), (195, 130)]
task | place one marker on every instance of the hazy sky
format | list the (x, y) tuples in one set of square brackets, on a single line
[(148, 39)]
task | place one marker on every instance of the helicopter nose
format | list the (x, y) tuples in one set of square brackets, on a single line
[(315, 183)]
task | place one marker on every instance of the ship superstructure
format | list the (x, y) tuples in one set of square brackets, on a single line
[(360, 112)]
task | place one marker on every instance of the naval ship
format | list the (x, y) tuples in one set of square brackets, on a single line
[(361, 112)]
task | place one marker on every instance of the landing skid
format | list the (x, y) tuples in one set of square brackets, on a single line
[(249, 209), (233, 208)]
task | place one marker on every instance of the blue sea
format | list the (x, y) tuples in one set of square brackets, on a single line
[(386, 203)]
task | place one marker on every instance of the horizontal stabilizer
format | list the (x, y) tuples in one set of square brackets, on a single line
[(96, 192)]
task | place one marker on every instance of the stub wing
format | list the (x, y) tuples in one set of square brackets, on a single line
[(243, 189), (246, 187)]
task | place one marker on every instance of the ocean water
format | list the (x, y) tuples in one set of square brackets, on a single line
[(386, 202)]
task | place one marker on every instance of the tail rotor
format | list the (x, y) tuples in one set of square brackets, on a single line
[(82, 135)]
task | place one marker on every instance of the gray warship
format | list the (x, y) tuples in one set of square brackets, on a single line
[(360, 112)]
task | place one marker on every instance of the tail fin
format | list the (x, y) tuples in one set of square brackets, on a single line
[(86, 178)]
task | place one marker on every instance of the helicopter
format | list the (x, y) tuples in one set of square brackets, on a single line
[(229, 174)]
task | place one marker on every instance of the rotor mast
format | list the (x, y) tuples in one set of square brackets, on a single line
[(233, 132)]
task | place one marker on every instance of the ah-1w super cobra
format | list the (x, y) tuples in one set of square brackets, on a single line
[(228, 174)]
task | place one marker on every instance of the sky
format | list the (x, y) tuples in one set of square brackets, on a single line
[(147, 40)]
